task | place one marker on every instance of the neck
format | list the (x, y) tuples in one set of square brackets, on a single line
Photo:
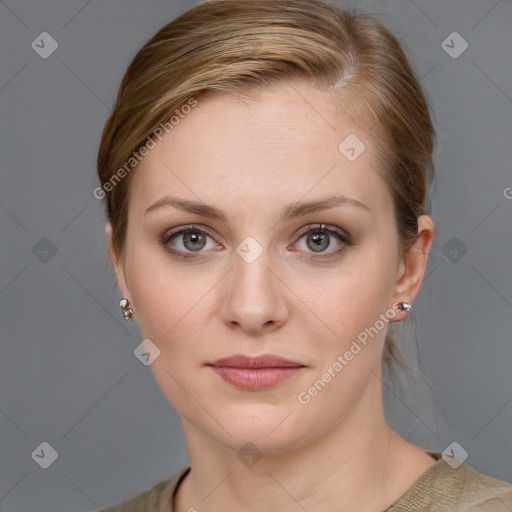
[(357, 465)]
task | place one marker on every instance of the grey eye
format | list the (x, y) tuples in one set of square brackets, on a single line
[(194, 240), (319, 241)]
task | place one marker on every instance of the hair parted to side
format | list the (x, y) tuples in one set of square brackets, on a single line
[(234, 46)]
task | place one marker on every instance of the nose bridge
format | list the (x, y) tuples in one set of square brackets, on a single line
[(255, 297)]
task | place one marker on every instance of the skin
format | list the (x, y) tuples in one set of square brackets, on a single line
[(251, 158)]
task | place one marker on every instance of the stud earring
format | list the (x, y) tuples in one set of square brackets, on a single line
[(404, 306), (127, 312)]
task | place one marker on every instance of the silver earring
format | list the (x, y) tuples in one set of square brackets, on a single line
[(127, 312), (404, 306)]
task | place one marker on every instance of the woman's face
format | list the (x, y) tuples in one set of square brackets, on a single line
[(252, 282)]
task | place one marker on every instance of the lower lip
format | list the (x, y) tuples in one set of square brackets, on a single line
[(256, 378)]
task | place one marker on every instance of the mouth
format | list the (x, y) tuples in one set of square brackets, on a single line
[(254, 373)]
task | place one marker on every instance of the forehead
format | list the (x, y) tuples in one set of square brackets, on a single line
[(280, 145)]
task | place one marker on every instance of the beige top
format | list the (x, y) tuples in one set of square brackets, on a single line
[(438, 489)]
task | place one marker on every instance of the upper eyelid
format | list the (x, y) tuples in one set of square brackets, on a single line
[(180, 230), (323, 227)]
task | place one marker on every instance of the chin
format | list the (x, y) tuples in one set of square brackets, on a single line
[(246, 440), (271, 429)]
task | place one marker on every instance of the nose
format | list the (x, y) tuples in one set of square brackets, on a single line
[(254, 297)]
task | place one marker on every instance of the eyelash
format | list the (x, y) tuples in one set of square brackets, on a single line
[(331, 230)]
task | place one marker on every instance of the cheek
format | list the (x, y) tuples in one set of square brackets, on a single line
[(341, 303), (172, 315), (174, 311)]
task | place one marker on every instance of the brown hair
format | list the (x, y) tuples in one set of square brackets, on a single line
[(235, 45)]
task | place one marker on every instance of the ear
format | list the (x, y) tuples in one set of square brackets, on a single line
[(117, 263), (411, 270)]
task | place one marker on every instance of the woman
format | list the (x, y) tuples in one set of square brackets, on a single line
[(265, 174)]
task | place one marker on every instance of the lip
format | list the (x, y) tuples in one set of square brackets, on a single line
[(253, 373)]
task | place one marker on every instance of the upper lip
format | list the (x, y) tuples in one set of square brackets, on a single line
[(263, 361)]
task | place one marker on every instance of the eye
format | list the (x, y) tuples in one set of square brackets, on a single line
[(319, 238), (183, 242), (189, 240)]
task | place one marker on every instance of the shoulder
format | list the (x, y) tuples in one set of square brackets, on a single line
[(483, 493), (156, 499), (146, 500), (444, 488)]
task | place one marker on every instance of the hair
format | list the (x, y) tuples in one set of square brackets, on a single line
[(235, 46)]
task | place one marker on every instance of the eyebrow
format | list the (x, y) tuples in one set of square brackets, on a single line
[(292, 211)]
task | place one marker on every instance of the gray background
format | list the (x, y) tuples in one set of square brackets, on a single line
[(68, 375)]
